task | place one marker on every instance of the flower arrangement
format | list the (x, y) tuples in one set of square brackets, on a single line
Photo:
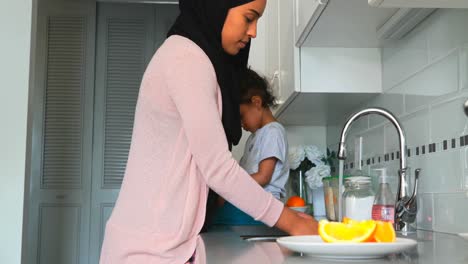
[(313, 162)]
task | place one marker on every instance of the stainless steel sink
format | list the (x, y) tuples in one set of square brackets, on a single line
[(261, 239)]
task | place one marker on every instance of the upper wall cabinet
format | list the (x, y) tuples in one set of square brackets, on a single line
[(345, 24), (337, 58), (307, 12), (420, 3), (273, 52)]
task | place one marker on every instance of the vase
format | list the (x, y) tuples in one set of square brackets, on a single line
[(318, 202), (298, 185)]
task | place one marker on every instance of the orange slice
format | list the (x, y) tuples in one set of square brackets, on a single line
[(353, 232), (384, 232)]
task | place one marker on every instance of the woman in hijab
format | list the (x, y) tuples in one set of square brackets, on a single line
[(186, 120)]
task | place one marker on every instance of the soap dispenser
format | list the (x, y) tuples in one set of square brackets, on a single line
[(384, 203)]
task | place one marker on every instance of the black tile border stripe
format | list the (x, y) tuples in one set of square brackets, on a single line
[(445, 145)]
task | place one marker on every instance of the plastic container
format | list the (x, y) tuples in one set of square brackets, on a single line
[(358, 198), (330, 192), (384, 203)]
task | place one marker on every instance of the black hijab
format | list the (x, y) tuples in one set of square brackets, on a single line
[(202, 22)]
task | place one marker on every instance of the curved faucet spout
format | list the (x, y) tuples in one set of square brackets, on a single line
[(379, 111), (403, 183)]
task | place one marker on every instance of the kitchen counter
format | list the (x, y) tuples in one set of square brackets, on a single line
[(226, 245)]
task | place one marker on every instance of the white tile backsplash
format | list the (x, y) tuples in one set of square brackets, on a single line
[(425, 80), (438, 79), (464, 153), (425, 217), (447, 121), (446, 30), (391, 100), (451, 212), (373, 143), (464, 68), (403, 58), (333, 135), (359, 126), (416, 127), (441, 172)]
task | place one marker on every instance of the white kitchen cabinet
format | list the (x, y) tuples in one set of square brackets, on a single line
[(281, 54), (288, 53), (307, 12), (337, 61), (272, 59)]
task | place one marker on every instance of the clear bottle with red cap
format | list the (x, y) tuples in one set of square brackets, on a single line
[(384, 203)]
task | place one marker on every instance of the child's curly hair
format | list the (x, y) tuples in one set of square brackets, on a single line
[(252, 84)]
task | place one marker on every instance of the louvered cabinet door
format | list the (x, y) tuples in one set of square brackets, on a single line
[(126, 40), (59, 203)]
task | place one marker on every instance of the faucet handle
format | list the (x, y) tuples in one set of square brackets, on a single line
[(415, 188), (407, 207)]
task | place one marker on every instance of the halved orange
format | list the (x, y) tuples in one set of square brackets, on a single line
[(353, 232), (384, 232)]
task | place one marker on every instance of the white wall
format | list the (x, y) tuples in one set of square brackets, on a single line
[(15, 25), (307, 135), (297, 135)]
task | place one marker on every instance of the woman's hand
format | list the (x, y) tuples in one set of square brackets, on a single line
[(296, 223)]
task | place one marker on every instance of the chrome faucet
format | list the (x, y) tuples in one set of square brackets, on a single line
[(405, 206)]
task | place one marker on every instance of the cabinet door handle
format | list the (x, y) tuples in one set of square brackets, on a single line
[(297, 12), (273, 78)]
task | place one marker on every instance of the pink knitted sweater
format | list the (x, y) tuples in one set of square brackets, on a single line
[(178, 150)]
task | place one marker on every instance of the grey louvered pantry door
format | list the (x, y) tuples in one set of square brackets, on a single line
[(127, 37), (88, 68), (60, 186)]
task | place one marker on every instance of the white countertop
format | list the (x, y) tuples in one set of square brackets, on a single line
[(225, 245)]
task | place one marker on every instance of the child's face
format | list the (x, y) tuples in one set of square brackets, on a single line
[(251, 115)]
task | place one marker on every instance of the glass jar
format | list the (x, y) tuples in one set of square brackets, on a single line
[(329, 199), (331, 194), (358, 198)]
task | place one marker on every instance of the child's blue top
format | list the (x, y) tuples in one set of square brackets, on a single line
[(268, 142)]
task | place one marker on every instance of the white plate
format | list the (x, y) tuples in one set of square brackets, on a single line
[(464, 235), (315, 246)]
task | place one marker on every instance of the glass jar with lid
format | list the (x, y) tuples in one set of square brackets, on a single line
[(358, 198)]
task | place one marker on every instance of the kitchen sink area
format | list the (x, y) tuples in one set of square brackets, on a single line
[(247, 244)]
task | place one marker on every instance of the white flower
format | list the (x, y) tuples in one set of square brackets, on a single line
[(314, 154), (296, 156), (315, 175)]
